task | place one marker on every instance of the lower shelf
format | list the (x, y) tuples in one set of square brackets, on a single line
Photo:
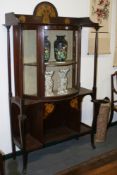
[(65, 133), (52, 136), (31, 143), (59, 134)]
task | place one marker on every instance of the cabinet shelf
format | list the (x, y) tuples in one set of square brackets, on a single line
[(29, 101), (63, 133), (31, 143), (65, 63), (52, 136), (53, 63), (30, 64), (71, 91), (59, 134)]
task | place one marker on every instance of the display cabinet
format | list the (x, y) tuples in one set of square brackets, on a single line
[(46, 107)]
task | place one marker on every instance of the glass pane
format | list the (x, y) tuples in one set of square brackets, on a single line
[(60, 80), (61, 62), (53, 36), (29, 46), (30, 80)]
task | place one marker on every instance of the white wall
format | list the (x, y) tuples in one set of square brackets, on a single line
[(72, 8)]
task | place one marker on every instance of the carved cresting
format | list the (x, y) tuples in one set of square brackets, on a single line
[(46, 10), (48, 108), (74, 103)]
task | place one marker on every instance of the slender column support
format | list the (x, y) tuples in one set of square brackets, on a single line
[(9, 61), (22, 122), (10, 87), (22, 117), (94, 121), (95, 64)]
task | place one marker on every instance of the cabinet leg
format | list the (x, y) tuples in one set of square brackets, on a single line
[(25, 162), (2, 165), (13, 150)]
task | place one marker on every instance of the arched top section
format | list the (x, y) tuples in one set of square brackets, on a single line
[(46, 13), (45, 10)]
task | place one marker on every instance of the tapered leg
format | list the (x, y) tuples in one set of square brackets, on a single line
[(93, 137), (25, 162), (2, 165), (13, 150)]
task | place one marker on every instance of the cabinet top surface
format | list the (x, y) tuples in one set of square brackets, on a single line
[(45, 13)]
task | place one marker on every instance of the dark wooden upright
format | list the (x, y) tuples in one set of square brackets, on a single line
[(2, 164), (37, 117)]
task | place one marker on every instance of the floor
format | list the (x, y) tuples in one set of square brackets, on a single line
[(52, 159), (104, 164)]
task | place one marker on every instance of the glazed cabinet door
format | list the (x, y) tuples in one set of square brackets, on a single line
[(30, 64), (61, 59), (48, 59), (28, 58)]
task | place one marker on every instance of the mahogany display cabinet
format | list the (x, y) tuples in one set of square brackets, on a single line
[(46, 105)]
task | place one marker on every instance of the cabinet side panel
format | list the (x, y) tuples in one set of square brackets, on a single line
[(16, 47)]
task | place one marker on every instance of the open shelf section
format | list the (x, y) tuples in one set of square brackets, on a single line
[(30, 143), (65, 133), (59, 134)]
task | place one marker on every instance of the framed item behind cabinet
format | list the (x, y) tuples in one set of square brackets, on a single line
[(115, 54), (100, 11)]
